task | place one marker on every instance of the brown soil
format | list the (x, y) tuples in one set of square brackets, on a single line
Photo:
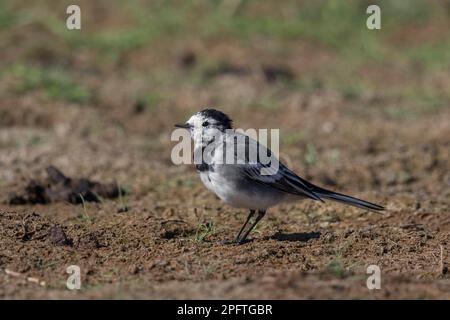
[(303, 250), (161, 238)]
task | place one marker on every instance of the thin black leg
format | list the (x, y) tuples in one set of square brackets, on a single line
[(250, 215), (258, 218)]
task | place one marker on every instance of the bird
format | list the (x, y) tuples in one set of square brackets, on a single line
[(241, 183)]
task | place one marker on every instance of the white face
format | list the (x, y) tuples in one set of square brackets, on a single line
[(203, 129)]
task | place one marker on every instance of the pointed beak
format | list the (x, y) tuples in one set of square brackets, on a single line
[(183, 125)]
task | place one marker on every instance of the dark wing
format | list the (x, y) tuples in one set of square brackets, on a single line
[(266, 169), (281, 178), (287, 181)]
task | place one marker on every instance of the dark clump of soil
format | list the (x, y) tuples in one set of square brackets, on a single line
[(58, 237), (58, 187), (175, 229)]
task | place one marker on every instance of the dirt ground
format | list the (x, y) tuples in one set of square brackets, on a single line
[(387, 142)]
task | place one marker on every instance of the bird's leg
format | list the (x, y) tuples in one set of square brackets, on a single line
[(236, 240), (261, 214), (250, 215)]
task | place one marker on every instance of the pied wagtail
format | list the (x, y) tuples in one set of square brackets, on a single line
[(240, 183)]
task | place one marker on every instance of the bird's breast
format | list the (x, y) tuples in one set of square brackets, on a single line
[(236, 192)]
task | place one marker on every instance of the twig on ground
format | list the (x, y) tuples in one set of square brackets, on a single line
[(29, 279)]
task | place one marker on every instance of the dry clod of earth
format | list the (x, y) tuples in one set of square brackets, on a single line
[(60, 188), (57, 236)]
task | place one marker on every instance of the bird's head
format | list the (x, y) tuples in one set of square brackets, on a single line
[(206, 124)]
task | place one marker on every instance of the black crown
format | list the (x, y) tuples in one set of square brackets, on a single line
[(219, 116)]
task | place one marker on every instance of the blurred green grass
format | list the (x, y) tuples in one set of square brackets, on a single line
[(56, 83), (337, 26)]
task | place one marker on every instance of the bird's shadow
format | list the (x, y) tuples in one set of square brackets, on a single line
[(296, 236)]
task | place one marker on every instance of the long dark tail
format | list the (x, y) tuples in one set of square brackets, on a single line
[(331, 195), (305, 188), (326, 194)]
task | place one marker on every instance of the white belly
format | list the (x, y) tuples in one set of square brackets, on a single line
[(249, 198)]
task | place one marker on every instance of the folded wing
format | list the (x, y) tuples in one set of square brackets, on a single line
[(281, 178)]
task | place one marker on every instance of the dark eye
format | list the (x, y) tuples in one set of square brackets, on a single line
[(205, 124)]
